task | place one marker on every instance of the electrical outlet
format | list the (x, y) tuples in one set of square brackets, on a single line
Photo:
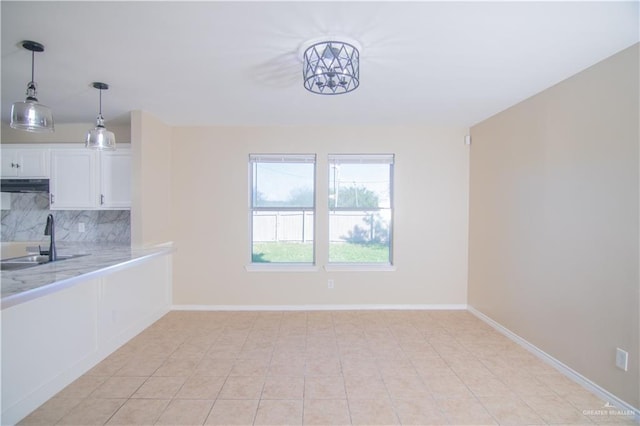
[(330, 284), (81, 227), (622, 359)]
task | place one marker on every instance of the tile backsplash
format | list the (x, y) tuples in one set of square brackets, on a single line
[(26, 220)]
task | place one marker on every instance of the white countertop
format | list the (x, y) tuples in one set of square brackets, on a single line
[(26, 284)]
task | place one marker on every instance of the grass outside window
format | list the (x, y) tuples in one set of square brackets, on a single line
[(298, 252)]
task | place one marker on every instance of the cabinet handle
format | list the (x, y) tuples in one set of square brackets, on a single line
[(101, 199), (17, 165), (53, 198), (13, 165)]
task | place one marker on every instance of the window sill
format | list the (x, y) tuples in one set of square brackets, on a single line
[(282, 267), (335, 267), (359, 267)]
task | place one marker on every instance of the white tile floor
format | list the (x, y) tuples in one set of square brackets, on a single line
[(322, 368)]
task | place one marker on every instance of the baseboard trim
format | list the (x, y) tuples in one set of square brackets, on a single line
[(558, 365), (226, 308)]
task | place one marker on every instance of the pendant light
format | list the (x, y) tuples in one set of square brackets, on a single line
[(30, 115), (99, 137)]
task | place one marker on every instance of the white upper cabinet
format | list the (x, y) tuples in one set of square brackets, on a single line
[(73, 179), (83, 179), (115, 179), (25, 162), (79, 178)]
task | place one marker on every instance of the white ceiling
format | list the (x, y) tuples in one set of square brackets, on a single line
[(235, 63)]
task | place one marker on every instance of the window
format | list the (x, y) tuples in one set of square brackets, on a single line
[(282, 208), (360, 208)]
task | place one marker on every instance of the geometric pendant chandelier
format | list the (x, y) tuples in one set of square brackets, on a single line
[(331, 66)]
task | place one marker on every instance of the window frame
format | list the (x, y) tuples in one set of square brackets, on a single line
[(291, 159), (337, 159)]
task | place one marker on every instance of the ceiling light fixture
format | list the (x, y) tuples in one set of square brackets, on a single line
[(100, 137), (30, 115), (331, 67)]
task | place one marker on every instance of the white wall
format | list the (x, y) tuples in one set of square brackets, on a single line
[(209, 167), (151, 180), (554, 221)]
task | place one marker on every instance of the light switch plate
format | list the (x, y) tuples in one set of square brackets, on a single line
[(622, 359)]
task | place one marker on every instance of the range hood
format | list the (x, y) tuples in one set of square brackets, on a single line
[(24, 185)]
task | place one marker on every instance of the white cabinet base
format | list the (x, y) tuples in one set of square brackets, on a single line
[(49, 342)]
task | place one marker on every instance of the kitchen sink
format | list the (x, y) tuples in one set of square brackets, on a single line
[(32, 260)]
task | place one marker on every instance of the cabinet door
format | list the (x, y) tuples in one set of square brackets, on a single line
[(27, 163), (33, 163), (45, 341), (73, 179), (9, 162), (115, 177)]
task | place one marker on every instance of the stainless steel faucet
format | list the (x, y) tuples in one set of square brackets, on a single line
[(50, 230)]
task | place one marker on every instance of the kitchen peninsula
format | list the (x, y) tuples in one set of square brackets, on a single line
[(61, 318), (96, 259)]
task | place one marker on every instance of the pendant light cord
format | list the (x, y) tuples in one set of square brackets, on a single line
[(33, 59), (100, 107)]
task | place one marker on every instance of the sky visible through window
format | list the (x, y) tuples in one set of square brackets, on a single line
[(374, 177), (279, 181)]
